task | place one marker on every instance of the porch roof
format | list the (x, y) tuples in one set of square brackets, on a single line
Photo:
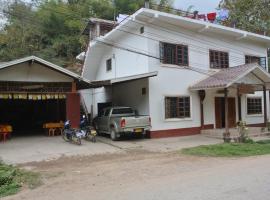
[(108, 82), (224, 78)]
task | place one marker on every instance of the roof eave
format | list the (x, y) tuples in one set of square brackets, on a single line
[(46, 63)]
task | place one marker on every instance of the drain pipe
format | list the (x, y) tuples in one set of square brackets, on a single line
[(146, 4)]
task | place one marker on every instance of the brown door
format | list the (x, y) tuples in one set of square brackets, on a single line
[(220, 112)]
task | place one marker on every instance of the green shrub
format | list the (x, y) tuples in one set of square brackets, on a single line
[(12, 179), (248, 140)]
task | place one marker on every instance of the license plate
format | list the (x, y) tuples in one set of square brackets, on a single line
[(93, 132), (138, 130)]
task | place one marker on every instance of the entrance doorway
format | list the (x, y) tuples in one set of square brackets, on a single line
[(220, 112), (101, 106), (28, 116)]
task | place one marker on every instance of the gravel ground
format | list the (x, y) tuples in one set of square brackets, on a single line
[(140, 174)]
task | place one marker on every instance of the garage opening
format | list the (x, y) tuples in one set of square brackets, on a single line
[(28, 116)]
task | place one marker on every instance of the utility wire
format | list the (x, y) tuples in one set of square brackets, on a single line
[(140, 35), (151, 56), (78, 16), (185, 36), (198, 64), (196, 47), (131, 48), (199, 70)]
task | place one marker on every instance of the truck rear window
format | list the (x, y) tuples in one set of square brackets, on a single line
[(122, 111)]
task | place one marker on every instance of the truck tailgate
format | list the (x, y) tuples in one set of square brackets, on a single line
[(137, 121)]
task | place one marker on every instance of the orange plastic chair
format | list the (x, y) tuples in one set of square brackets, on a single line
[(4, 136)]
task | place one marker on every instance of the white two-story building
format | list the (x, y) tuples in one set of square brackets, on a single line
[(187, 74)]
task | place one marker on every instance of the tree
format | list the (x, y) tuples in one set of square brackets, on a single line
[(51, 29), (250, 15), (19, 37)]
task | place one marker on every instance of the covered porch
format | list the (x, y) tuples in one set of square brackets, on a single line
[(232, 95), (35, 93)]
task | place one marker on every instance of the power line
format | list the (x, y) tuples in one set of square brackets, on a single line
[(159, 27), (188, 37), (131, 49), (151, 56), (144, 36), (196, 47), (198, 70), (237, 59), (147, 54)]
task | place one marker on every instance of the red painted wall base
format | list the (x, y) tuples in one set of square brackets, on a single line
[(175, 132), (256, 125), (179, 132)]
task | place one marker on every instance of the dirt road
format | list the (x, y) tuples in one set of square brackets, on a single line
[(145, 175)]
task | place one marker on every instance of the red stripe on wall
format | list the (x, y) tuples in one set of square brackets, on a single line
[(175, 132), (256, 125)]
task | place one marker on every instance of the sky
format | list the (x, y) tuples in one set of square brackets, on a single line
[(203, 6)]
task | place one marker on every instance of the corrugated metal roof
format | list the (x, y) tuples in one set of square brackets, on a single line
[(47, 64), (101, 83), (226, 77)]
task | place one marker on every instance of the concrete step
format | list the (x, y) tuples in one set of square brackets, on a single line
[(218, 133)]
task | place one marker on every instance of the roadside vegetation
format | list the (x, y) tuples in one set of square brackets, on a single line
[(231, 149), (12, 179), (52, 30)]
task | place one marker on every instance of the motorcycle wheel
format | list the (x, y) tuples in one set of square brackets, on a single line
[(64, 136), (94, 139), (78, 141)]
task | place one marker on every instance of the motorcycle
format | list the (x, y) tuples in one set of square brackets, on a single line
[(89, 133), (76, 135), (71, 135)]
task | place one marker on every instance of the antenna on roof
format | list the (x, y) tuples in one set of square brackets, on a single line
[(114, 10), (146, 4)]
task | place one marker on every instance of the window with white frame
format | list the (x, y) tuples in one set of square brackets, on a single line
[(177, 107), (254, 105), (109, 65)]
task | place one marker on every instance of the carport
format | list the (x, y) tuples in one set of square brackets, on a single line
[(132, 91), (34, 91)]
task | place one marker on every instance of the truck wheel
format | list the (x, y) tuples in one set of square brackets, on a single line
[(113, 135), (96, 128)]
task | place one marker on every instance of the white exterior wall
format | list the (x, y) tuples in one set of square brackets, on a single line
[(171, 80), (94, 96), (124, 63), (175, 81), (130, 94), (199, 45)]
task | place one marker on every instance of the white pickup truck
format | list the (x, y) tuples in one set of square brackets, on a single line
[(118, 121)]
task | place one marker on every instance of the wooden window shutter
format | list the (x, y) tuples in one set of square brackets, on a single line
[(161, 52), (167, 108)]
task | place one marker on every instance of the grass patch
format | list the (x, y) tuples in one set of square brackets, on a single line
[(231, 149), (13, 178)]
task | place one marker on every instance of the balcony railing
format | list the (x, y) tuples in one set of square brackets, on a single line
[(209, 17)]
